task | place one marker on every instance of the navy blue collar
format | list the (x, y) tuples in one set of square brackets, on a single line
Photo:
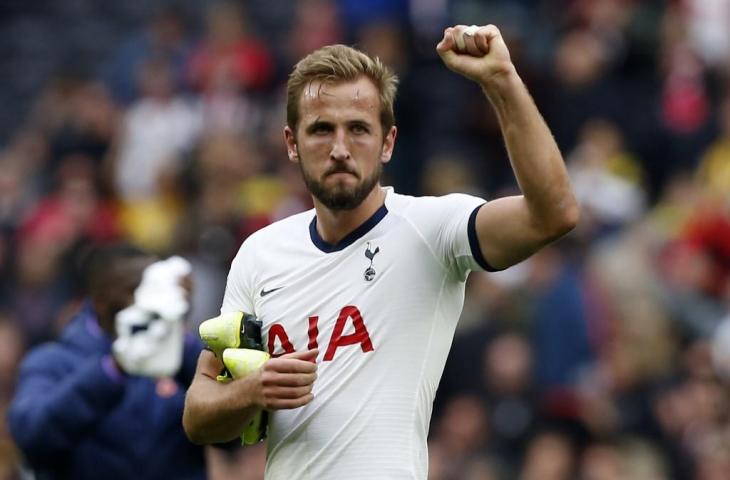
[(351, 237)]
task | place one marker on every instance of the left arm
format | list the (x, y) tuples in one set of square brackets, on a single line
[(511, 229)]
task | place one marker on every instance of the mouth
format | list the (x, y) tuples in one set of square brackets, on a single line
[(341, 174)]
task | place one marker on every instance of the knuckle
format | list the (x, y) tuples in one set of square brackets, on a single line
[(268, 378), (271, 365)]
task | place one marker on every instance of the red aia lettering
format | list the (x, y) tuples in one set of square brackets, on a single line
[(337, 340), (313, 332), (277, 331), (360, 335)]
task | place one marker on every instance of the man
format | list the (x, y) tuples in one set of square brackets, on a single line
[(359, 298), (105, 400)]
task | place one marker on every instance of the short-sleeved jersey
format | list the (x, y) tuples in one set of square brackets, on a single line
[(381, 306)]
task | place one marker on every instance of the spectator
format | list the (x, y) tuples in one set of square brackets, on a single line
[(164, 37), (107, 396), (230, 52)]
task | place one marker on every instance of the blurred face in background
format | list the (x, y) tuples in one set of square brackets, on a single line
[(464, 425), (508, 365), (339, 142), (602, 462), (549, 457), (124, 279)]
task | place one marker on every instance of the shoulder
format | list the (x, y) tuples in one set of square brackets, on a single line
[(294, 225), (290, 229), (51, 356), (79, 339), (430, 208)]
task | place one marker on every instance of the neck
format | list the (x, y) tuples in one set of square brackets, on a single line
[(334, 225)]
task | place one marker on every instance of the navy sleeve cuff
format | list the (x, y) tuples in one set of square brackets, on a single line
[(476, 251)]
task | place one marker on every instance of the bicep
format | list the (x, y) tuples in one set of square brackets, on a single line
[(507, 231)]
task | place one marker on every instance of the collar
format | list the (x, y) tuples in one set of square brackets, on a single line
[(351, 237)]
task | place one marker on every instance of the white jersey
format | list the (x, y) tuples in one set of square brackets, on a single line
[(381, 306)]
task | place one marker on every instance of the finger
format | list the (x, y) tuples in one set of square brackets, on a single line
[(486, 35), (470, 45), (447, 42), (453, 40), (458, 35), (287, 379), (285, 404), (446, 48), (289, 365), (286, 393), (307, 355), (481, 40)]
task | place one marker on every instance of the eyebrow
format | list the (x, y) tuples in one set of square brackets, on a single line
[(318, 122)]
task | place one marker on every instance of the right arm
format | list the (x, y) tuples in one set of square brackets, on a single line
[(218, 412)]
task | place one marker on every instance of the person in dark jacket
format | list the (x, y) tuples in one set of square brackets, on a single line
[(105, 400)]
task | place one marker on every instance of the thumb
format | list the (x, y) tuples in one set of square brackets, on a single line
[(448, 55), (306, 355)]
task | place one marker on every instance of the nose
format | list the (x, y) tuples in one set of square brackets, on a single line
[(340, 151)]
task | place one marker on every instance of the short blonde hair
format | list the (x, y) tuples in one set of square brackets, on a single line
[(336, 64)]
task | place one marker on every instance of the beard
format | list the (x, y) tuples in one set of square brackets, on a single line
[(341, 197)]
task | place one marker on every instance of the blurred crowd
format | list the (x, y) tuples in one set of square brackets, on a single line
[(604, 357)]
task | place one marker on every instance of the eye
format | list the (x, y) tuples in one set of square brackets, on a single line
[(359, 129), (320, 129)]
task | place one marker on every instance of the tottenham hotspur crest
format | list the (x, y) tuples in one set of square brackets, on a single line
[(370, 254)]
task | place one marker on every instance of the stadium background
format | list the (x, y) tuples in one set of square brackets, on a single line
[(160, 122)]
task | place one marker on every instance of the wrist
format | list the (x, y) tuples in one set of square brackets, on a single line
[(251, 391), (501, 79), (504, 92)]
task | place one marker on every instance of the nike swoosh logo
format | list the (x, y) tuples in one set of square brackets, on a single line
[(266, 292)]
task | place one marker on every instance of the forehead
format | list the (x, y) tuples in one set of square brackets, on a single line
[(128, 273), (341, 100)]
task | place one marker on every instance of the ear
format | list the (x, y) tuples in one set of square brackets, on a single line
[(388, 144), (291, 145)]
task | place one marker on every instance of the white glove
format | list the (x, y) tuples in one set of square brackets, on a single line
[(150, 331)]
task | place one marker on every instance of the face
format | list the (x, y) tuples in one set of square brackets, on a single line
[(126, 278), (339, 142)]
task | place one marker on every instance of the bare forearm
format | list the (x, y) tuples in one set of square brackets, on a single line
[(216, 412), (534, 155)]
